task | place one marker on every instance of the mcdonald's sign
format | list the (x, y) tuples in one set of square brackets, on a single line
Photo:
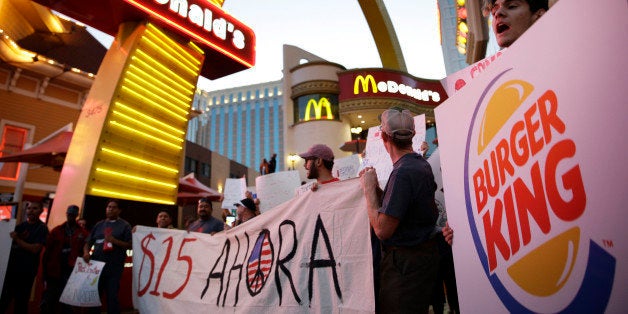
[(381, 83), (318, 109)]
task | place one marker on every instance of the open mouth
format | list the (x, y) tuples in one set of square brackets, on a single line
[(502, 28)]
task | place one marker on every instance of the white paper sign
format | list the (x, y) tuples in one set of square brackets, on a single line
[(233, 192), (82, 287), (346, 167), (276, 188), (309, 255), (6, 227), (534, 171), (378, 158)]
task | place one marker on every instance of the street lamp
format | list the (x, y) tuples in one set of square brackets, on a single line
[(293, 158)]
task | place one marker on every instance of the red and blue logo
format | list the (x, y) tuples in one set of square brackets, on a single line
[(526, 201)]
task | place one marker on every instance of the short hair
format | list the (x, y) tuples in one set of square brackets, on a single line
[(165, 211), (399, 143), (328, 164), (534, 5), (117, 201), (206, 200)]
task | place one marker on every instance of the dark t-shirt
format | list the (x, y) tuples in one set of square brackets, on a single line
[(207, 226), (119, 229), (31, 233), (409, 196)]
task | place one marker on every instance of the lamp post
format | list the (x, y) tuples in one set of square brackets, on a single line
[(293, 158), (357, 130)]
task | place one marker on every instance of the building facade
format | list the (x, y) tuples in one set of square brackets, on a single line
[(244, 124)]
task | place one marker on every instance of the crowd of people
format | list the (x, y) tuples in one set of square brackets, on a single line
[(411, 254)]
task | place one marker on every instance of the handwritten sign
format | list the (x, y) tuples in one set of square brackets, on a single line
[(276, 188), (346, 167), (233, 192), (82, 287), (378, 158), (312, 254)]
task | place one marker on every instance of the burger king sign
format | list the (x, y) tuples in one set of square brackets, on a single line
[(532, 157)]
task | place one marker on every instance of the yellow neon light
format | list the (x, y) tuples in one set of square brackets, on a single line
[(136, 178), (169, 55), (166, 72), (129, 83), (127, 108), (168, 42), (166, 89), (148, 71), (152, 103), (318, 108), (196, 48), (139, 160), (365, 81), (130, 120), (132, 196), (131, 130)]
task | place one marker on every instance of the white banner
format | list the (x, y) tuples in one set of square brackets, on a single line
[(276, 188), (378, 158), (82, 287), (534, 170), (233, 192), (311, 254), (6, 227)]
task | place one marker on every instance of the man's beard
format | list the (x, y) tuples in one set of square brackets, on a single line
[(313, 172)]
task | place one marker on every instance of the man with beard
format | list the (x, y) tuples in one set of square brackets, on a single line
[(29, 238), (319, 161), (205, 222)]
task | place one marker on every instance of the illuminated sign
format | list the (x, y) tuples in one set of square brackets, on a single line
[(462, 30), (318, 109), (206, 23), (364, 83)]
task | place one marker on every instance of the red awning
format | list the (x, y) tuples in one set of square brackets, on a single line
[(191, 189), (48, 153), (354, 146)]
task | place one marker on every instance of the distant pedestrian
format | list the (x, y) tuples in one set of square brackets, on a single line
[(272, 164), (264, 167)]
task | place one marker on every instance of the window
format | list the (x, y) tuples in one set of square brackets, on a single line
[(190, 165), (205, 170), (13, 140), (316, 107)]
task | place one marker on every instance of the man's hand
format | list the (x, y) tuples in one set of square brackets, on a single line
[(448, 233), (86, 257), (368, 179)]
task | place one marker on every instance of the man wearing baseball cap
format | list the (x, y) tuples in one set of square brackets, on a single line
[(403, 217), (319, 161), (246, 210), (64, 245)]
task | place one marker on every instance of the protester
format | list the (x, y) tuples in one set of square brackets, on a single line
[(272, 164), (249, 194), (82, 222), (164, 220), (65, 244), (511, 18), (205, 222), (403, 217), (264, 167), (111, 238), (424, 148), (29, 238), (319, 161), (245, 210)]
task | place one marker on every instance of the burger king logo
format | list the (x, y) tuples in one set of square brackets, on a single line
[(526, 201)]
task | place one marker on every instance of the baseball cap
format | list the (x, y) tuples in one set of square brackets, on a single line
[(319, 151), (72, 210), (248, 203), (398, 123)]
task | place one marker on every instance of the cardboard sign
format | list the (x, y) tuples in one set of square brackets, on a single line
[(82, 287), (534, 173)]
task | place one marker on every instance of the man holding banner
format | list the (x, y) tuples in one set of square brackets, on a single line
[(403, 219), (319, 161)]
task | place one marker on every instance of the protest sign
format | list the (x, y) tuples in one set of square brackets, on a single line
[(233, 192), (6, 227), (378, 158), (82, 287), (311, 254), (533, 169), (346, 167), (458, 80), (276, 188)]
